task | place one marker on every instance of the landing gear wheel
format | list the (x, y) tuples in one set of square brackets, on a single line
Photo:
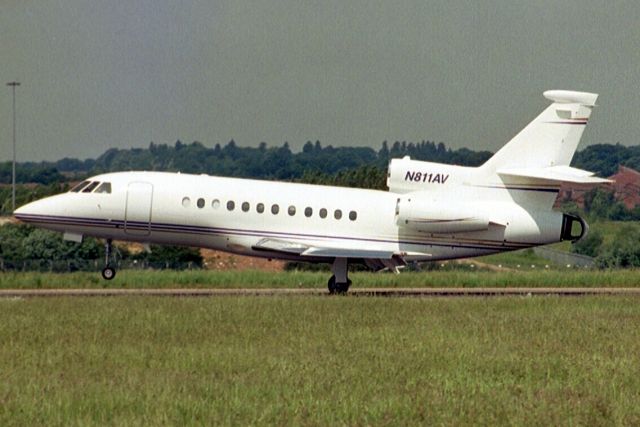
[(332, 285), (338, 288), (108, 273), (343, 288)]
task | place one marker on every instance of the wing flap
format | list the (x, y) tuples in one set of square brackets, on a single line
[(279, 245), (347, 253), (387, 257)]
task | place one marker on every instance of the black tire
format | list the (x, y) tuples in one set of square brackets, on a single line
[(108, 273), (338, 288), (332, 285), (343, 288)]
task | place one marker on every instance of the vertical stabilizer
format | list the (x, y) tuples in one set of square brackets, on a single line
[(551, 138)]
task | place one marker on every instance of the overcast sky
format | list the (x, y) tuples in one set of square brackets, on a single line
[(101, 74)]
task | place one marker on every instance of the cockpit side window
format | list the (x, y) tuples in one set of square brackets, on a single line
[(104, 188), (89, 188), (79, 187)]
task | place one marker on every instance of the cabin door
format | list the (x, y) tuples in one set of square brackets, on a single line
[(137, 216)]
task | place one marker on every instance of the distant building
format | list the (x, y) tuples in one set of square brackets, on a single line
[(626, 188)]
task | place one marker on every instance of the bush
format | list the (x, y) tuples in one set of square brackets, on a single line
[(24, 247), (623, 252), (590, 245), (174, 257)]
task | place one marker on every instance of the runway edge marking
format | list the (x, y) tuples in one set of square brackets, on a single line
[(383, 292)]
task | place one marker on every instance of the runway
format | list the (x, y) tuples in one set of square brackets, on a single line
[(354, 292)]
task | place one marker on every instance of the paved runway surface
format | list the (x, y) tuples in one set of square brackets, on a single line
[(381, 292)]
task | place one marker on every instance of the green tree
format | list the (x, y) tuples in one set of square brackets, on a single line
[(601, 203), (176, 257), (590, 245), (624, 250)]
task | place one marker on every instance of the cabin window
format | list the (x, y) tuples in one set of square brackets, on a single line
[(79, 187), (308, 212), (104, 188), (186, 202), (89, 188), (323, 213), (231, 205), (260, 207), (337, 214), (275, 209), (215, 204), (245, 206), (200, 203), (353, 215), (291, 210)]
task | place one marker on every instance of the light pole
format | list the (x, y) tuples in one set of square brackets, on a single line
[(13, 171)]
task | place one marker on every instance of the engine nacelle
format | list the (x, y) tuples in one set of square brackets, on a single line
[(574, 228), (427, 212), (429, 216)]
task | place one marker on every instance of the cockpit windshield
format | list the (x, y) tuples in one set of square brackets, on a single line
[(105, 187), (89, 188), (92, 187), (79, 187)]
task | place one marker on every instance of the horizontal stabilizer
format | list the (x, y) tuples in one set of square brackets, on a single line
[(571, 97), (555, 174)]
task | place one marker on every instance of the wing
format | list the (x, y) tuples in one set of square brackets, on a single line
[(374, 258)]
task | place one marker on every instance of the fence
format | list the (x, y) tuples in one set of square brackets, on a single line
[(63, 266), (564, 258)]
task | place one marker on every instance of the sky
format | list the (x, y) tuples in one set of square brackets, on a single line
[(103, 74)]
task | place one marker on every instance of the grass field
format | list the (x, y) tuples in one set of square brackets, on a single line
[(460, 277), (524, 258), (320, 361)]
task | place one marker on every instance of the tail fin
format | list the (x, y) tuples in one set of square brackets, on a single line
[(551, 138)]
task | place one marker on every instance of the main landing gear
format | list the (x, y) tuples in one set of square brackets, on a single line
[(108, 272), (339, 283)]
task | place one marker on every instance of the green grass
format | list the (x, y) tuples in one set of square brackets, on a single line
[(464, 276), (523, 258), (320, 361)]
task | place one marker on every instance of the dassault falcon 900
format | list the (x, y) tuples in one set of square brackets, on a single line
[(432, 211)]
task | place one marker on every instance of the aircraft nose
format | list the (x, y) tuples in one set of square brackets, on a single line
[(25, 212), (34, 211)]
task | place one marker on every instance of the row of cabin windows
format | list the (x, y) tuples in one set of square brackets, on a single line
[(275, 208), (92, 187)]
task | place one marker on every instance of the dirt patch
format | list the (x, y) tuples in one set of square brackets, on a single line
[(216, 260), (7, 219)]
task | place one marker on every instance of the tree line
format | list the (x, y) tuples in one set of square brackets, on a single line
[(361, 167), (280, 162), (262, 162)]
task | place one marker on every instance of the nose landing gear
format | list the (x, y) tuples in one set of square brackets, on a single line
[(108, 272)]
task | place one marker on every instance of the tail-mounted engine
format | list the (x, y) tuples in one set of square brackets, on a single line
[(574, 228), (430, 216)]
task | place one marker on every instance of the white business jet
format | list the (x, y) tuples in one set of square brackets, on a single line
[(432, 211)]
